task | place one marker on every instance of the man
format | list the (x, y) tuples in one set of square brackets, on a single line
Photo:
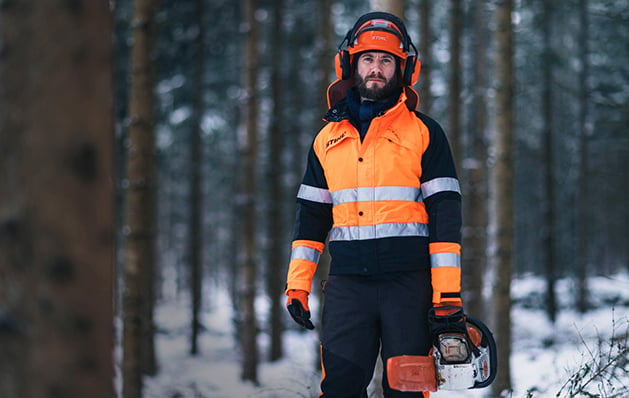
[(380, 185)]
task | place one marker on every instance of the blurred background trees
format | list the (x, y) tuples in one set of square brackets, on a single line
[(245, 120), (237, 101)]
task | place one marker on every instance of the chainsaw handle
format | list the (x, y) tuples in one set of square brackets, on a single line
[(488, 342), (446, 319)]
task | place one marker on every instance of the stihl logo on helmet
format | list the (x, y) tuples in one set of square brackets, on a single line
[(378, 35)]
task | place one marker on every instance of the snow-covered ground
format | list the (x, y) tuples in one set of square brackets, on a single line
[(544, 355)]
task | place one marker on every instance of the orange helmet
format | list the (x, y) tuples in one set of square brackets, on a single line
[(378, 35)]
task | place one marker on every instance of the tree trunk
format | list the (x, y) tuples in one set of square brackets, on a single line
[(395, 7), (196, 193), (548, 221), (325, 50), (454, 107), (425, 50), (275, 258), (583, 209), (474, 178), (139, 219), (249, 323), (503, 192), (57, 248)]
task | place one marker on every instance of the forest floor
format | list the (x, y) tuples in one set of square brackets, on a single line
[(544, 355)]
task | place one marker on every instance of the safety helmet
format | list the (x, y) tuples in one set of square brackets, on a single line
[(378, 35)]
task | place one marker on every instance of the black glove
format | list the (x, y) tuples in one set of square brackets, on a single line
[(447, 319), (297, 310)]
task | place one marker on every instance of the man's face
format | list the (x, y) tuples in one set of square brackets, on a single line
[(376, 75)]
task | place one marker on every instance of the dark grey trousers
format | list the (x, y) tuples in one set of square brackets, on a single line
[(362, 316)]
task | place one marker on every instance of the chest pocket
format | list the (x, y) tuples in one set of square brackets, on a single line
[(398, 160)]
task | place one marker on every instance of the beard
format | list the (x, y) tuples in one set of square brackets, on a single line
[(376, 93)]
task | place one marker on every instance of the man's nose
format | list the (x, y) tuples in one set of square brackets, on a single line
[(377, 66)]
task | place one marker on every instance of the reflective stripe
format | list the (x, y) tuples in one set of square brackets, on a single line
[(442, 184), (305, 253), (378, 231), (367, 194), (314, 194), (445, 260)]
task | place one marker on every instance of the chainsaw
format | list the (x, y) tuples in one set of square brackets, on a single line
[(461, 358)]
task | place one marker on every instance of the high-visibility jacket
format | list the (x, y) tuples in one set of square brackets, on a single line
[(388, 204)]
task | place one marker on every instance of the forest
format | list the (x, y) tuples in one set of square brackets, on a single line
[(151, 152)]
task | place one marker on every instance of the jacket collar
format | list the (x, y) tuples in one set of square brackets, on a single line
[(341, 110)]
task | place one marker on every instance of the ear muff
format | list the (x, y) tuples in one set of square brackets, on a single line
[(412, 67), (343, 65)]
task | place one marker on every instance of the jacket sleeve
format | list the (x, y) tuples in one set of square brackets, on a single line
[(312, 224), (442, 197)]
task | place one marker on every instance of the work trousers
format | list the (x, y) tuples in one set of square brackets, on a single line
[(362, 316)]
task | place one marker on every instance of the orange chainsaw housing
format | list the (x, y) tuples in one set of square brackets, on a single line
[(412, 373)]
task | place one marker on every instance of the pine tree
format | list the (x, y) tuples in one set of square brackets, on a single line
[(503, 191), (56, 200), (139, 218)]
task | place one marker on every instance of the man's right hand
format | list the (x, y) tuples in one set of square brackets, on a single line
[(297, 305), (443, 318)]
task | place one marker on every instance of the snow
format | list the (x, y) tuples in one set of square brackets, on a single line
[(544, 355)]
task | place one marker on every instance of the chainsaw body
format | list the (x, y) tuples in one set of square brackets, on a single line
[(457, 361)]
